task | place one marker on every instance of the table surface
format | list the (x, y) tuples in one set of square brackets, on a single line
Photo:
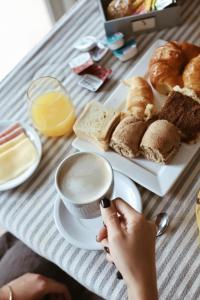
[(27, 211)]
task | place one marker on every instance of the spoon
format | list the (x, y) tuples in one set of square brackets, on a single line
[(161, 221)]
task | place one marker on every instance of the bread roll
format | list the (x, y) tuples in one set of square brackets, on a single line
[(127, 136), (140, 100), (160, 141), (191, 75)]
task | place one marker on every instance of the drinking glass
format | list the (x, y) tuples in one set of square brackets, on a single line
[(51, 109)]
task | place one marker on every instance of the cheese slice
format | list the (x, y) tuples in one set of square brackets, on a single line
[(12, 143), (16, 160)]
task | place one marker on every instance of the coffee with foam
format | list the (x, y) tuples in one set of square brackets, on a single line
[(84, 178)]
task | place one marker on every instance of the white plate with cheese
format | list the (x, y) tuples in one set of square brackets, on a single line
[(155, 177), (26, 145)]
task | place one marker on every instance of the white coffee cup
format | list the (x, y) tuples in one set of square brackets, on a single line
[(82, 180)]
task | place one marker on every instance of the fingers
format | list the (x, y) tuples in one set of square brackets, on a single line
[(126, 211), (109, 215), (153, 227), (105, 245), (102, 234), (109, 258)]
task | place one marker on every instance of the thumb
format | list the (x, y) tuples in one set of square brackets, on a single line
[(109, 215)]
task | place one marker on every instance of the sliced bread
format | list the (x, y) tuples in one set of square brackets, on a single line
[(96, 124)]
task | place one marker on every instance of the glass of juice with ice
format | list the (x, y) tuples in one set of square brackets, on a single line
[(52, 111)]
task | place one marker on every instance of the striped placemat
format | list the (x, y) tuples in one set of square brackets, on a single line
[(27, 211)]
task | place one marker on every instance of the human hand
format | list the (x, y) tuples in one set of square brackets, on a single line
[(130, 239), (34, 287)]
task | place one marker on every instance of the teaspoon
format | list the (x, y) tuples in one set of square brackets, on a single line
[(161, 221)]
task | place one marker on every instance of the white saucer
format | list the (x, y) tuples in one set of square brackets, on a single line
[(82, 232), (29, 172)]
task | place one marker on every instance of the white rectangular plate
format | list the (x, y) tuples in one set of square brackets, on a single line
[(155, 177)]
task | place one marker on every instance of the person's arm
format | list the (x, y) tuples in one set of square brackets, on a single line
[(34, 287), (130, 239)]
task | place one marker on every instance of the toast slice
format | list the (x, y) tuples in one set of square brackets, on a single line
[(96, 123)]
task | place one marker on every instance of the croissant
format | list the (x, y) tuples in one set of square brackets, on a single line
[(168, 63), (191, 75), (140, 102)]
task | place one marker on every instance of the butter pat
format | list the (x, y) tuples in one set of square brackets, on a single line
[(127, 52), (115, 41), (16, 160)]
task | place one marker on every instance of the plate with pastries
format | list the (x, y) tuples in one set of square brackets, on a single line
[(149, 128), (20, 153)]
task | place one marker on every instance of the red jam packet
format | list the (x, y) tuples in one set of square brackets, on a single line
[(81, 62), (94, 77), (99, 71)]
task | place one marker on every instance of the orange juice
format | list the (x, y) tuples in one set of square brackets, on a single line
[(53, 114)]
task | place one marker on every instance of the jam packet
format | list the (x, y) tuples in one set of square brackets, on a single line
[(81, 62), (94, 77)]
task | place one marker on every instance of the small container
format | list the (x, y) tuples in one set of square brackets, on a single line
[(99, 52), (127, 52), (85, 43), (145, 22), (81, 62), (115, 41)]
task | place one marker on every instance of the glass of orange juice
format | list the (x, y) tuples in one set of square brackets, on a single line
[(52, 111)]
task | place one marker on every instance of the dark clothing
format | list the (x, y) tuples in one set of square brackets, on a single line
[(16, 259)]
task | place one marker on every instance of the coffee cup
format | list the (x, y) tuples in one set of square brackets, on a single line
[(82, 180)]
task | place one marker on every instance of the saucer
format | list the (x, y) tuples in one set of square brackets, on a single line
[(34, 137), (82, 232)]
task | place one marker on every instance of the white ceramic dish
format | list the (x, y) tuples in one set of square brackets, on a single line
[(85, 210), (82, 232), (157, 178), (29, 172)]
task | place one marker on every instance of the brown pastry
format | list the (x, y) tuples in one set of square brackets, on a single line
[(140, 102), (120, 9), (160, 141), (191, 75), (168, 63), (127, 136), (190, 50), (184, 112)]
